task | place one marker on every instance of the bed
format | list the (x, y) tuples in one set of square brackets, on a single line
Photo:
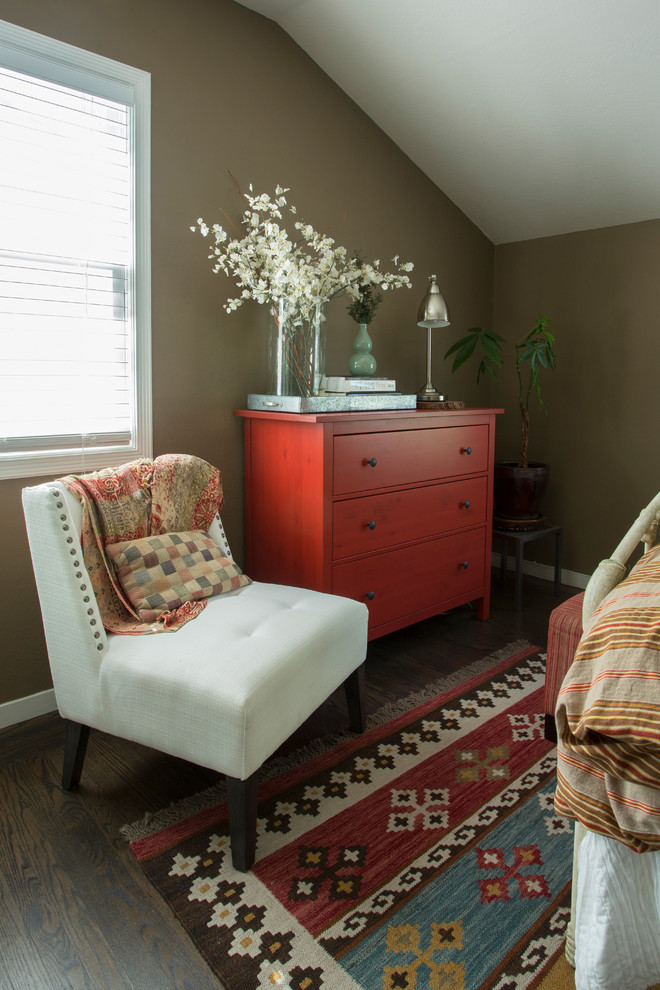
[(608, 769)]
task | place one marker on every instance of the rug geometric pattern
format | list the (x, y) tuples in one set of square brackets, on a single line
[(423, 854)]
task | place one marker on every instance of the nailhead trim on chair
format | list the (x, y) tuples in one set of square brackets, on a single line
[(75, 551), (223, 535)]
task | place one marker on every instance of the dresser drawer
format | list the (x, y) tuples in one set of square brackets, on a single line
[(401, 582), (367, 461), (375, 522)]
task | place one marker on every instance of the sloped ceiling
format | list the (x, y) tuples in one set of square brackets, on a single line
[(536, 117)]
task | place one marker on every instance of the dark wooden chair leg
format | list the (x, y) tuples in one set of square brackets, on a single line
[(354, 685), (242, 802), (75, 747)]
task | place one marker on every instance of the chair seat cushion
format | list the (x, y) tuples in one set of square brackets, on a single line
[(231, 686)]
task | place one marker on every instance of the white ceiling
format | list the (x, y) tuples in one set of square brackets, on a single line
[(535, 117)]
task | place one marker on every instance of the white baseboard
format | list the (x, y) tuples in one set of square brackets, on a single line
[(546, 571), (13, 712)]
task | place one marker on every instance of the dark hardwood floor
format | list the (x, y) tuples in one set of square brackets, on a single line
[(75, 910)]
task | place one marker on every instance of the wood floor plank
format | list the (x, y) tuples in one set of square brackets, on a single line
[(20, 966), (19, 742), (36, 885), (123, 780), (110, 935), (140, 926)]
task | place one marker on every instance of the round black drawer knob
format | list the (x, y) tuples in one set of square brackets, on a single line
[(372, 524), (464, 565), (371, 595), (466, 450), (465, 504), (372, 462)]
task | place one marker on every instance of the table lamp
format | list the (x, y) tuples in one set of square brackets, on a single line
[(432, 313)]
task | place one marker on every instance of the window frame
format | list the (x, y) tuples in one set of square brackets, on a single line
[(56, 61)]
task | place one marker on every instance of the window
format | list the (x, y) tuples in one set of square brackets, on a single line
[(75, 319)]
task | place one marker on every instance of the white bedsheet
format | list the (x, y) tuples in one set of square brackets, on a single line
[(617, 917)]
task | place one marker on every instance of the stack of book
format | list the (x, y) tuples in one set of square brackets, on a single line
[(349, 385)]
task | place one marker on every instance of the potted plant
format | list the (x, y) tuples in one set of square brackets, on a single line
[(519, 485)]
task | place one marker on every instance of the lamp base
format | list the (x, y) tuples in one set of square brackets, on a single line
[(429, 394)]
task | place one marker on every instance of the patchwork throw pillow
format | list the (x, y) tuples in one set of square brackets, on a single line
[(160, 573)]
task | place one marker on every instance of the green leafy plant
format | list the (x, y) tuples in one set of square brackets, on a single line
[(363, 308), (367, 300), (533, 353)]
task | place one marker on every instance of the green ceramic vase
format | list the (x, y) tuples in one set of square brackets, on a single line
[(362, 363)]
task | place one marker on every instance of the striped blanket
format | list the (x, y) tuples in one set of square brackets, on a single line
[(608, 716)]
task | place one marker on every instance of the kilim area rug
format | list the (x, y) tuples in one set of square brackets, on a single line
[(423, 854)]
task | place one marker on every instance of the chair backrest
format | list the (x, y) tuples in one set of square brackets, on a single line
[(75, 637), (609, 572)]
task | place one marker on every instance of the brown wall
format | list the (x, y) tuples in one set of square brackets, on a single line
[(600, 288), (231, 91)]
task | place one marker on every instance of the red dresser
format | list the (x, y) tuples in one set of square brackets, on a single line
[(392, 508)]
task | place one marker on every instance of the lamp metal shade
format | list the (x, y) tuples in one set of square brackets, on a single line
[(433, 310)]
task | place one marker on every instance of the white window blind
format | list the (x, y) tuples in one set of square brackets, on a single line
[(74, 307)]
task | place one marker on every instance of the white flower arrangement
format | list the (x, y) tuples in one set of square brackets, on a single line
[(304, 273)]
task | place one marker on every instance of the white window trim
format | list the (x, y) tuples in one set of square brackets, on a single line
[(28, 51)]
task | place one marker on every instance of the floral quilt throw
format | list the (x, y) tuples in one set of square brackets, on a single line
[(142, 498)]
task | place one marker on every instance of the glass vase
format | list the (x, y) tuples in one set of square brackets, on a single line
[(296, 349)]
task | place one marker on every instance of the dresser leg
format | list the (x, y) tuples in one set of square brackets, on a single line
[(483, 608)]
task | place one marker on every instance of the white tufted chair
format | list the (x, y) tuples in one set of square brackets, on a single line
[(224, 691)]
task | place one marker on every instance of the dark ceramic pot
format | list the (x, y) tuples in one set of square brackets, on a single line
[(518, 493)]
